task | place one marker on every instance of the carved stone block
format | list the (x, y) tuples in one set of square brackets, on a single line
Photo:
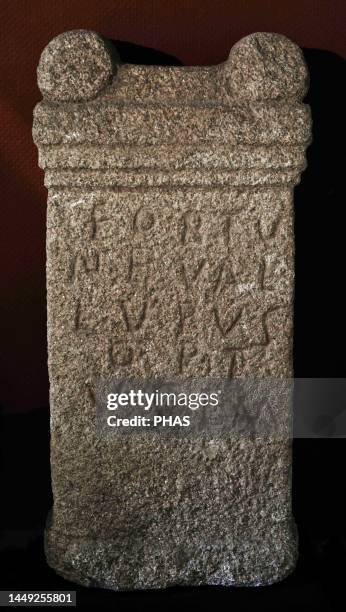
[(170, 253)]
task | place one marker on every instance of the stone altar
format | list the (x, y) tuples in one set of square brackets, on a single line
[(170, 252)]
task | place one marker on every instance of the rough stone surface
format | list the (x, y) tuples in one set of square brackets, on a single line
[(76, 66), (170, 252)]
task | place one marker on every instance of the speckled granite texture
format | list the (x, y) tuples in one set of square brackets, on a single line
[(170, 252)]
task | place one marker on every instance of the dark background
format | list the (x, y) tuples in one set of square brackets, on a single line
[(194, 33)]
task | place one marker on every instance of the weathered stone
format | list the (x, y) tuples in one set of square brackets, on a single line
[(76, 66), (170, 210)]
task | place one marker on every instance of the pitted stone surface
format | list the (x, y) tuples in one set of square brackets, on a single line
[(267, 66), (75, 66), (170, 253)]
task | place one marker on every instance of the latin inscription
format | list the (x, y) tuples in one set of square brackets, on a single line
[(214, 285)]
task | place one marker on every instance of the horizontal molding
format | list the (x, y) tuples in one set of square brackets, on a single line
[(115, 125), (179, 157), (149, 178)]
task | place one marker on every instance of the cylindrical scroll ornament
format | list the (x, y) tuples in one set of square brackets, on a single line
[(265, 66), (76, 66)]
